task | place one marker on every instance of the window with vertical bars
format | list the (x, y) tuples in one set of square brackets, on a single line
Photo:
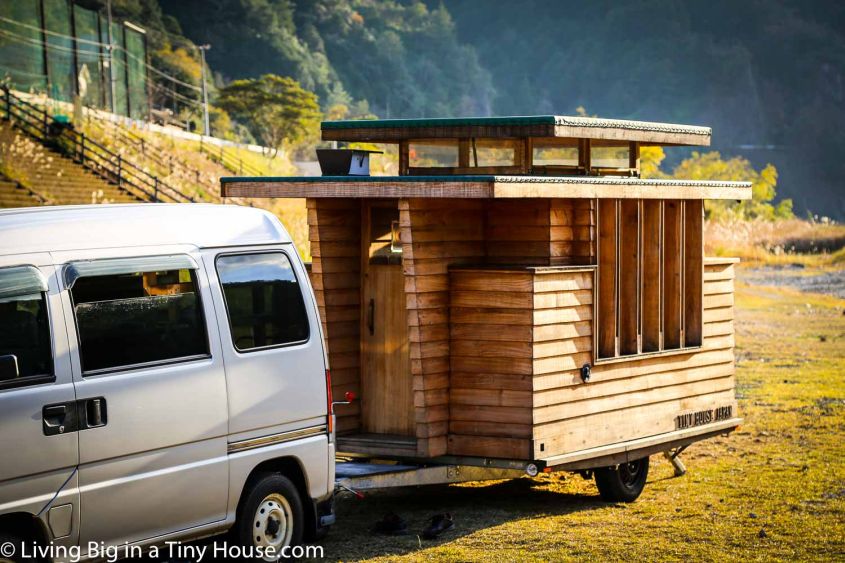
[(650, 273)]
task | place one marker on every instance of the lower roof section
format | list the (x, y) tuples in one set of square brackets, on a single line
[(480, 187)]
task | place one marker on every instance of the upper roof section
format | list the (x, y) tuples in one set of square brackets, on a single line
[(46, 229), (396, 130)]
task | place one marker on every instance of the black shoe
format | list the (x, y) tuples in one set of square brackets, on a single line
[(391, 525), (437, 525)]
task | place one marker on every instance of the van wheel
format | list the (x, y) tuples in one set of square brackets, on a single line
[(623, 482), (270, 517), (11, 549)]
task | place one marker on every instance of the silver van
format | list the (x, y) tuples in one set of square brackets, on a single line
[(162, 378)]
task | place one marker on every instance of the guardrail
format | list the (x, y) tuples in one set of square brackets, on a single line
[(109, 165)]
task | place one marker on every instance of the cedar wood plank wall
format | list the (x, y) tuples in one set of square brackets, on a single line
[(335, 234), (437, 234), (495, 367), (518, 340), (644, 395)]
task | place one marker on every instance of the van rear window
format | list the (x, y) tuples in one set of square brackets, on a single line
[(138, 318), (263, 299)]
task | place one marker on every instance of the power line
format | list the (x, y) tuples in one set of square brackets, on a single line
[(97, 44), (69, 50)]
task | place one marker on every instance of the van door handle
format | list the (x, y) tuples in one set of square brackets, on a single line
[(59, 418), (371, 317), (95, 412)]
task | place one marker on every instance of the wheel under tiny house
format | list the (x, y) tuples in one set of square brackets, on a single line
[(462, 299)]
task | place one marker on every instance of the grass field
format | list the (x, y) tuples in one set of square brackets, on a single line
[(773, 490)]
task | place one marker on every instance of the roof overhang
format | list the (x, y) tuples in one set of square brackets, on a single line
[(481, 187), (396, 130)]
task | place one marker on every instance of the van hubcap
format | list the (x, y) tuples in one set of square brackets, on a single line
[(272, 526)]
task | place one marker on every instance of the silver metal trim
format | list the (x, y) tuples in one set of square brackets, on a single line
[(273, 439)]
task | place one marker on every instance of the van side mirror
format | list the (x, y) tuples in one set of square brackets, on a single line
[(9, 367)]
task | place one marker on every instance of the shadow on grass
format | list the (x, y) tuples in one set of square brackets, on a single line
[(473, 508)]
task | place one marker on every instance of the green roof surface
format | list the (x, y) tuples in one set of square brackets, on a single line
[(440, 122), (385, 179), (515, 120), (613, 180)]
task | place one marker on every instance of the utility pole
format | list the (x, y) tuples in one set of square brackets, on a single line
[(112, 78), (205, 129)]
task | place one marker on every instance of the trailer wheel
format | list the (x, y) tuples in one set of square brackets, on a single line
[(623, 482)]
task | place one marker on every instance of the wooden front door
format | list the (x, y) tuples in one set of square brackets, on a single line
[(387, 399)]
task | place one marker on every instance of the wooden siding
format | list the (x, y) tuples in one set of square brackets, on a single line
[(491, 392), (482, 187), (572, 231), (638, 397), (517, 232), (335, 235), (435, 234)]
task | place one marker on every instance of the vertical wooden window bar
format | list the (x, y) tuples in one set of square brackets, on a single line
[(650, 257)]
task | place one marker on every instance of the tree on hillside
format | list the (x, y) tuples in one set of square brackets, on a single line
[(273, 108), (711, 166)]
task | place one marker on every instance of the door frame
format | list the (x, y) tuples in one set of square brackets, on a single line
[(366, 206)]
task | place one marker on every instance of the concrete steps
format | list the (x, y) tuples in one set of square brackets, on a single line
[(13, 196), (56, 178)]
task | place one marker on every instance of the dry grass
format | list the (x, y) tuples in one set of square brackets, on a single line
[(773, 490), (791, 241)]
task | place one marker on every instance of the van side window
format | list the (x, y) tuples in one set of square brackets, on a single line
[(139, 318), (263, 300), (25, 334)]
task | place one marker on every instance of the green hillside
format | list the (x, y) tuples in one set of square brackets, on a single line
[(767, 75)]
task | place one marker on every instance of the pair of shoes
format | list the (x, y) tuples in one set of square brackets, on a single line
[(438, 524), (391, 525)]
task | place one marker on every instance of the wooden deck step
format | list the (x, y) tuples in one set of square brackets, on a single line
[(377, 444)]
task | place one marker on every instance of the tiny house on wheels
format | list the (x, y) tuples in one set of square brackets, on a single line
[(519, 296)]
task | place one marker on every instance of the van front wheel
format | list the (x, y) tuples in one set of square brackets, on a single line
[(270, 518), (623, 482)]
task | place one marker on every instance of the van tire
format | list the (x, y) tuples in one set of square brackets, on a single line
[(623, 482), (272, 506), (16, 556)]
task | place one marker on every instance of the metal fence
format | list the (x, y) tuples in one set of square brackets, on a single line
[(60, 48)]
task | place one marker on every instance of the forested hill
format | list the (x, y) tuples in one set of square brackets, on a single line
[(401, 57), (767, 75)]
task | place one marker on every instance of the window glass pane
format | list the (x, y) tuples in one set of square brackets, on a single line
[(138, 318), (558, 153), (609, 156), (263, 299), (25, 333), (433, 154), (494, 152), (385, 243)]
